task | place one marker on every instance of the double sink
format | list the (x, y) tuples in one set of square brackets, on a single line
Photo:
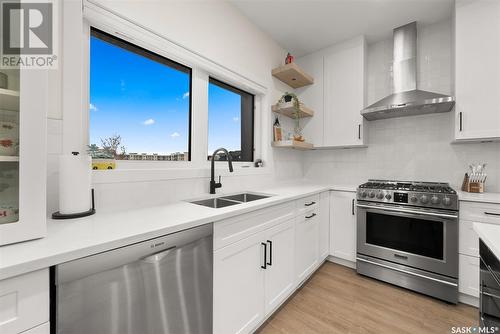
[(224, 201)]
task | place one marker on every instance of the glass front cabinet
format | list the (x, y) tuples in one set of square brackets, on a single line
[(23, 119)]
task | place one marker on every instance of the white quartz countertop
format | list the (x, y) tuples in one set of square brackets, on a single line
[(479, 197), (490, 235), (67, 240)]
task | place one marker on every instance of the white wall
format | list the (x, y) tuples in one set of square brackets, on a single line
[(215, 30), (411, 148)]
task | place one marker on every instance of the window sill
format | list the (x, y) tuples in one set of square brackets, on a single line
[(144, 175)]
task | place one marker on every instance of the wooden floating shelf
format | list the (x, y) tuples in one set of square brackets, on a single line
[(9, 159), (9, 99), (288, 110), (298, 145), (293, 75)]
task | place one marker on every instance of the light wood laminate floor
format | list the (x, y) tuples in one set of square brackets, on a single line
[(337, 300)]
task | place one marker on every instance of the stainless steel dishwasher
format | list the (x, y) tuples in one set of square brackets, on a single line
[(162, 285)]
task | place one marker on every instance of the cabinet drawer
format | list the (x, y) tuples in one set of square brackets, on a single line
[(237, 228), (24, 302), (480, 212), (308, 203), (468, 243), (468, 275)]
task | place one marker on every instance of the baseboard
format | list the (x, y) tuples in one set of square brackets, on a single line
[(345, 263), (468, 299)]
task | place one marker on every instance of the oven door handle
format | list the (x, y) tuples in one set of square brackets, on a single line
[(424, 213)]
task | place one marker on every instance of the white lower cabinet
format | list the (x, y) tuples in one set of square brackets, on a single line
[(279, 279), (239, 286), (254, 275), (24, 302), (468, 273), (343, 225), (306, 240)]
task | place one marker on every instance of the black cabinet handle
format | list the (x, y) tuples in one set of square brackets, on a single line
[(265, 255), (359, 131), (270, 252), (491, 213), (404, 257), (310, 216), (460, 118), (353, 213), (309, 204)]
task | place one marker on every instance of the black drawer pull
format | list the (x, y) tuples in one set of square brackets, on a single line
[(460, 118), (270, 252), (492, 213), (309, 204), (310, 216), (353, 213), (265, 255), (399, 256)]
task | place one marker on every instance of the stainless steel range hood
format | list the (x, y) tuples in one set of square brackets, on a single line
[(407, 100)]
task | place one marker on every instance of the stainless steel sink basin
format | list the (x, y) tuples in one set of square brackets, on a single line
[(215, 203), (223, 201), (245, 197)]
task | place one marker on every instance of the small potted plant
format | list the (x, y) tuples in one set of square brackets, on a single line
[(286, 98)]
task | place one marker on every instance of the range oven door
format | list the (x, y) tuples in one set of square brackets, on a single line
[(420, 238)]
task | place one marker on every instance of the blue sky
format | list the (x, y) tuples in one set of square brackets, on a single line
[(147, 104)]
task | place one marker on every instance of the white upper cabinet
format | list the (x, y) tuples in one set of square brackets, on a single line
[(23, 119), (344, 94), (477, 54), (337, 96)]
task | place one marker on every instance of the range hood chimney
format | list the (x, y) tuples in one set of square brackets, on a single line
[(407, 100)]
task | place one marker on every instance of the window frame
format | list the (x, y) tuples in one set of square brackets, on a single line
[(242, 93), (153, 56), (202, 67)]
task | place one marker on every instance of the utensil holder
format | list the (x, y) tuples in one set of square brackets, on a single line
[(472, 187)]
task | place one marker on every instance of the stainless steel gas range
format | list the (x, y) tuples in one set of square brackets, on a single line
[(407, 235)]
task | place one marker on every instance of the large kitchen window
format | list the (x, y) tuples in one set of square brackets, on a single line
[(230, 121), (140, 102)]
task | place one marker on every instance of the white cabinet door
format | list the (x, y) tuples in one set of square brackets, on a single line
[(239, 286), (468, 240), (306, 240), (279, 273), (477, 77), (24, 301), (343, 225), (468, 275), (344, 94), (324, 225), (312, 97)]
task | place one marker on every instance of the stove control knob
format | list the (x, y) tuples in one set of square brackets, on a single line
[(414, 199), (388, 196), (447, 201), (435, 200), (372, 194), (380, 195), (363, 194), (424, 199)]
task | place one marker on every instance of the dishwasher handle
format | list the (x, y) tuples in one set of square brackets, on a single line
[(158, 256)]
